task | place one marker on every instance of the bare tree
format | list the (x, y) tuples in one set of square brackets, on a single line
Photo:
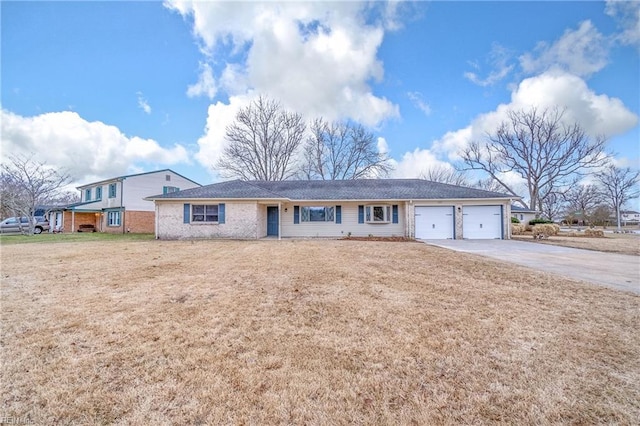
[(27, 183), (553, 205), (618, 186), (342, 150), (582, 200), (444, 174), (262, 142), (540, 147), (490, 184)]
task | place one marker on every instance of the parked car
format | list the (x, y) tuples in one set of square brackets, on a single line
[(17, 225)]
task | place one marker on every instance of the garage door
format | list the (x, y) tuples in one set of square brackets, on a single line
[(434, 223), (481, 222)]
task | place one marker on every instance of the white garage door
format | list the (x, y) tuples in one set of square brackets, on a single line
[(481, 222), (434, 223)]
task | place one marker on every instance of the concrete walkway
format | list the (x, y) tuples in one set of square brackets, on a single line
[(619, 271)]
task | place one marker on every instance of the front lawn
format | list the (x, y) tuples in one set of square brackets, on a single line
[(46, 237), (307, 332)]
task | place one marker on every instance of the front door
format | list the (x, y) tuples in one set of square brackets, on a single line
[(272, 221)]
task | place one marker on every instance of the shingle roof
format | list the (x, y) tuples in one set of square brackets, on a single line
[(361, 189)]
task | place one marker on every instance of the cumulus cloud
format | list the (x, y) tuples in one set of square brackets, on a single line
[(317, 58), (143, 104), (415, 163), (88, 150), (597, 114), (206, 84), (212, 143), (583, 52)]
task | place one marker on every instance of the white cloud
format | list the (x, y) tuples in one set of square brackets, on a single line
[(583, 52), (418, 102), (212, 143), (143, 103), (498, 60), (628, 15), (316, 58), (88, 150), (206, 84), (416, 162), (597, 114)]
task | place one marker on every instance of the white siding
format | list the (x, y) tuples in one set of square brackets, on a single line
[(136, 188), (349, 223), (241, 219)]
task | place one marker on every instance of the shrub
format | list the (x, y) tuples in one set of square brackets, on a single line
[(593, 233), (545, 230), (539, 221), (517, 229), (514, 220)]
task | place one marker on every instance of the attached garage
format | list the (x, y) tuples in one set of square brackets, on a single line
[(481, 222), (434, 223)]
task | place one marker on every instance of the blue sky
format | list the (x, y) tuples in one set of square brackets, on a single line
[(110, 88)]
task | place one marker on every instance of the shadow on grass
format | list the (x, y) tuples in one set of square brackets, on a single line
[(72, 237)]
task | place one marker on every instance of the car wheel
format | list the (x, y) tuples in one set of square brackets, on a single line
[(37, 230)]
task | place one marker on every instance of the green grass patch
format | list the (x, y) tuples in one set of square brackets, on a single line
[(72, 237)]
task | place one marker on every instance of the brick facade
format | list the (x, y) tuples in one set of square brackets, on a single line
[(135, 222), (241, 222)]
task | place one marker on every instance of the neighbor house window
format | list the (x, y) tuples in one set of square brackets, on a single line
[(204, 213), (377, 214), (169, 189), (99, 193), (112, 190), (317, 214), (87, 194), (167, 178), (113, 218)]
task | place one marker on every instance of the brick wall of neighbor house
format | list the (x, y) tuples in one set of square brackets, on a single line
[(79, 219), (138, 222), (241, 220)]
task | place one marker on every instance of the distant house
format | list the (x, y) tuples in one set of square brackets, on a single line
[(629, 216), (118, 205), (522, 214), (413, 208)]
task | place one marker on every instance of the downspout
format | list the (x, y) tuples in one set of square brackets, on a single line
[(73, 221), (279, 220), (156, 218), (122, 205)]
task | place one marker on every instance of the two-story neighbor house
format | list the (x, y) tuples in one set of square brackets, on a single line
[(117, 205)]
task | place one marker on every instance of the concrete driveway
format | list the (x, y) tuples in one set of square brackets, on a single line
[(617, 271)]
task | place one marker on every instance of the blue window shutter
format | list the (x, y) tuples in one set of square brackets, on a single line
[(296, 214), (360, 214), (187, 213), (164, 190), (338, 214), (221, 213), (395, 213)]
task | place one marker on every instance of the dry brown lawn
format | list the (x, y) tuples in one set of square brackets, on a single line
[(612, 243), (307, 332)]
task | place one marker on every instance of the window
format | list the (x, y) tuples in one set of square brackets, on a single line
[(99, 193), (377, 214), (87, 194), (113, 218), (204, 213), (317, 214), (169, 189), (112, 190), (167, 178)]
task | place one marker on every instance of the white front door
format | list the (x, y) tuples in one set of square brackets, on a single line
[(434, 223), (481, 222)]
